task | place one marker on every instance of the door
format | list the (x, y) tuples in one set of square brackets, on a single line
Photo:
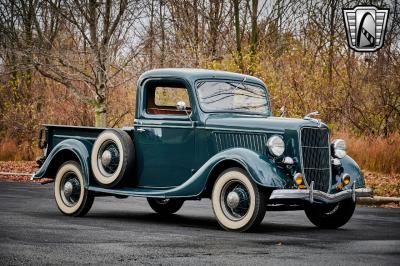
[(164, 135)]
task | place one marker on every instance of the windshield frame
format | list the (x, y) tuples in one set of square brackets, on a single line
[(245, 82)]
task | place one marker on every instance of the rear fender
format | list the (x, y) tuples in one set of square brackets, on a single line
[(66, 150)]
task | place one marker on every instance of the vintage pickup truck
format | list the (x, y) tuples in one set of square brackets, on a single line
[(206, 134)]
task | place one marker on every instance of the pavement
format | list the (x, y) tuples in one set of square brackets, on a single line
[(126, 231)]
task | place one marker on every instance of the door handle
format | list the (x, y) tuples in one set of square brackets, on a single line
[(141, 130)]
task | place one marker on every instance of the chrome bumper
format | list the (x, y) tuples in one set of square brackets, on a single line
[(312, 195)]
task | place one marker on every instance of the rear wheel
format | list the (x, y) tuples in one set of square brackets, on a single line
[(70, 194), (165, 206), (331, 216), (237, 202)]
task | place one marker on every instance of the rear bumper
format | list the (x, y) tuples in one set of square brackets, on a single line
[(311, 195)]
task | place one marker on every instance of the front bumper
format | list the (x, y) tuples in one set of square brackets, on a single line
[(311, 195)]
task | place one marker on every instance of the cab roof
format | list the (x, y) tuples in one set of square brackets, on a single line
[(193, 74)]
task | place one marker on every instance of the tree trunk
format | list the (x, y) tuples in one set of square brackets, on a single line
[(151, 45), (254, 34), (254, 28), (236, 12), (162, 26), (100, 114), (196, 33)]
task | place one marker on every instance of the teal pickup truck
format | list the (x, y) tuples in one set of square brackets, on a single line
[(206, 134)]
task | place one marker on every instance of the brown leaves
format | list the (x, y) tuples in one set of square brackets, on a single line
[(26, 167)]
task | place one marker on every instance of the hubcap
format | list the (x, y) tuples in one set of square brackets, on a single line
[(232, 200), (235, 200), (108, 158), (70, 189)]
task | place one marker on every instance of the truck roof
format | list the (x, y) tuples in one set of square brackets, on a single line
[(194, 74)]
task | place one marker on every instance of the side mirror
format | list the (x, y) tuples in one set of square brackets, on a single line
[(181, 106)]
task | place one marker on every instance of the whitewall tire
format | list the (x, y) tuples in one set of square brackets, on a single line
[(69, 190), (112, 158), (238, 203)]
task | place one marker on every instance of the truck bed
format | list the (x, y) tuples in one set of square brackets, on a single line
[(57, 133)]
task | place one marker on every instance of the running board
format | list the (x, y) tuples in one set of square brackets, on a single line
[(133, 191)]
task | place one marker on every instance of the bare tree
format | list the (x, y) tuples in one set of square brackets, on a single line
[(85, 53)]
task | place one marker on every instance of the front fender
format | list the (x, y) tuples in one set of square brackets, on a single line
[(78, 148), (351, 167), (261, 170)]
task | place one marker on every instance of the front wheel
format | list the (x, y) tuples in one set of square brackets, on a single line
[(238, 203), (165, 206), (331, 216), (71, 196)]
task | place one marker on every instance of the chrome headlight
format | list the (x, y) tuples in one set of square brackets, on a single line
[(339, 148), (275, 145)]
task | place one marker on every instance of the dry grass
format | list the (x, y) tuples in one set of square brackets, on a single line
[(377, 154), (11, 151)]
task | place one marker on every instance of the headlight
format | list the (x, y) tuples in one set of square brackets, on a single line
[(275, 145), (339, 148)]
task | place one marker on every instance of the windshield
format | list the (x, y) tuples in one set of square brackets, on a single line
[(232, 96)]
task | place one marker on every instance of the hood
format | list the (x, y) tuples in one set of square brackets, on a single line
[(242, 122)]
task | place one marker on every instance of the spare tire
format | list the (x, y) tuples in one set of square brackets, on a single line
[(113, 156)]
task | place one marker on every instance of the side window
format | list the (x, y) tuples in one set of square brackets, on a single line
[(163, 96), (169, 96)]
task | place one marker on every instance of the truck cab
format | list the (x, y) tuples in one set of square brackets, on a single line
[(206, 134)]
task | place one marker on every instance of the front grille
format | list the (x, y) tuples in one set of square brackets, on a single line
[(316, 157), (252, 141)]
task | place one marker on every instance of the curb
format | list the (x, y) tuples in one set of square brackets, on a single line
[(16, 174), (377, 200)]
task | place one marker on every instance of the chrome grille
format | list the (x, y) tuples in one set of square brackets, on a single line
[(252, 141), (316, 157)]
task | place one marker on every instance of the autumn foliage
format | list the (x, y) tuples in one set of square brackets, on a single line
[(60, 70)]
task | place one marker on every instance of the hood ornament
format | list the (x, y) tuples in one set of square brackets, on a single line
[(310, 117)]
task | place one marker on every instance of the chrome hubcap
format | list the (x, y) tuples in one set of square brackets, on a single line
[(106, 158), (70, 189), (233, 199)]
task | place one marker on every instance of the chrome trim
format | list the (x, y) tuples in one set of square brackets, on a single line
[(268, 144), (309, 117), (288, 160), (301, 155), (311, 195), (295, 177), (335, 143), (336, 162), (344, 177)]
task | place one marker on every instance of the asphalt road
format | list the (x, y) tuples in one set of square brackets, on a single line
[(126, 231)]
